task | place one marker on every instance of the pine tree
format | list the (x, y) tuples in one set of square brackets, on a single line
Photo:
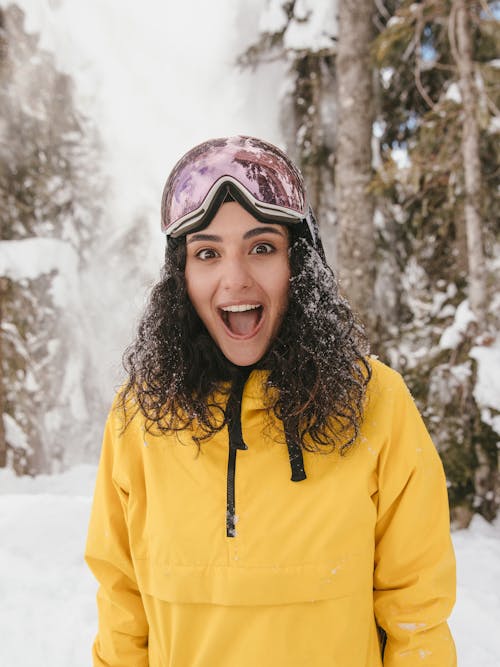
[(425, 125), (302, 34), (49, 217), (354, 201), (461, 43), (424, 266)]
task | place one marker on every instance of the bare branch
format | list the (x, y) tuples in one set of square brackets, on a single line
[(409, 49), (492, 106), (382, 9), (445, 68), (487, 9), (378, 23), (418, 81), (452, 37), (420, 87)]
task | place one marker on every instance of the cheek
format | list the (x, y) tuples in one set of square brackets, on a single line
[(282, 290), (195, 287)]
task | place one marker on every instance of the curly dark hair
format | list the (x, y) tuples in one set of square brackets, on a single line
[(317, 363)]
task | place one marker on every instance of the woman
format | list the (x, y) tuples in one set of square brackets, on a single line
[(248, 368)]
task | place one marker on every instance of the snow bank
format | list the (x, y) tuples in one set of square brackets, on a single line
[(47, 613), (78, 481), (476, 616)]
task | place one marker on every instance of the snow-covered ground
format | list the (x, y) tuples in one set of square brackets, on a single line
[(47, 609)]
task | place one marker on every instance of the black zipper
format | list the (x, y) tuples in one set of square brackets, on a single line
[(233, 419), (230, 507)]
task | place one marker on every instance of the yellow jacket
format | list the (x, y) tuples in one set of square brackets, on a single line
[(313, 566)]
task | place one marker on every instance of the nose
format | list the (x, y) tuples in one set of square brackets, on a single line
[(235, 274)]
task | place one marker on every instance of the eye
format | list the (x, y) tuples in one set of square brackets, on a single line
[(263, 249), (206, 253)]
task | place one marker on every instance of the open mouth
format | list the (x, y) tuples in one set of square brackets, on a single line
[(242, 320)]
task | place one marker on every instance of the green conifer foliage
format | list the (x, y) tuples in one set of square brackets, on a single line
[(422, 195)]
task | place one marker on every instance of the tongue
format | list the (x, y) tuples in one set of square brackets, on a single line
[(243, 323)]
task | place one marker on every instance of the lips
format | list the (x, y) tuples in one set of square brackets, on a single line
[(242, 320)]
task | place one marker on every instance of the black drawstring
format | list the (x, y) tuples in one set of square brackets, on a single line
[(233, 410), (233, 419), (294, 450)]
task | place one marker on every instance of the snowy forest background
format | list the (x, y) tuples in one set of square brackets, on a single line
[(392, 109)]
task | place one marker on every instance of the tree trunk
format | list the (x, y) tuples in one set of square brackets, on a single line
[(309, 125), (3, 441), (472, 165), (355, 206), (486, 478)]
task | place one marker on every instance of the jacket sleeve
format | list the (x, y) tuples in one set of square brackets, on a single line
[(414, 576), (122, 639)]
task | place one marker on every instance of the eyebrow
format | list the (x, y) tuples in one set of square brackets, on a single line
[(262, 230), (256, 231), (204, 237)]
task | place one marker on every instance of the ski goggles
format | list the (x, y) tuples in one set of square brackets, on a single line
[(255, 173)]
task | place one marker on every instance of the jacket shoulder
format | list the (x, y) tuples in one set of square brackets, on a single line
[(124, 435), (383, 371), (385, 380)]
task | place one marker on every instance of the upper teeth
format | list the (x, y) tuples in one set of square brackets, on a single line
[(239, 309)]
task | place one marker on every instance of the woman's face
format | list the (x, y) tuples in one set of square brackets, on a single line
[(237, 277)]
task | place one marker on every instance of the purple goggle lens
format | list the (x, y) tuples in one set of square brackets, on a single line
[(260, 172)]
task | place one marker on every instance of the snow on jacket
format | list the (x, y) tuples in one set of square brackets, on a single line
[(312, 566)]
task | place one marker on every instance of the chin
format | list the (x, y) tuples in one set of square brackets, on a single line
[(239, 360), (243, 358)]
